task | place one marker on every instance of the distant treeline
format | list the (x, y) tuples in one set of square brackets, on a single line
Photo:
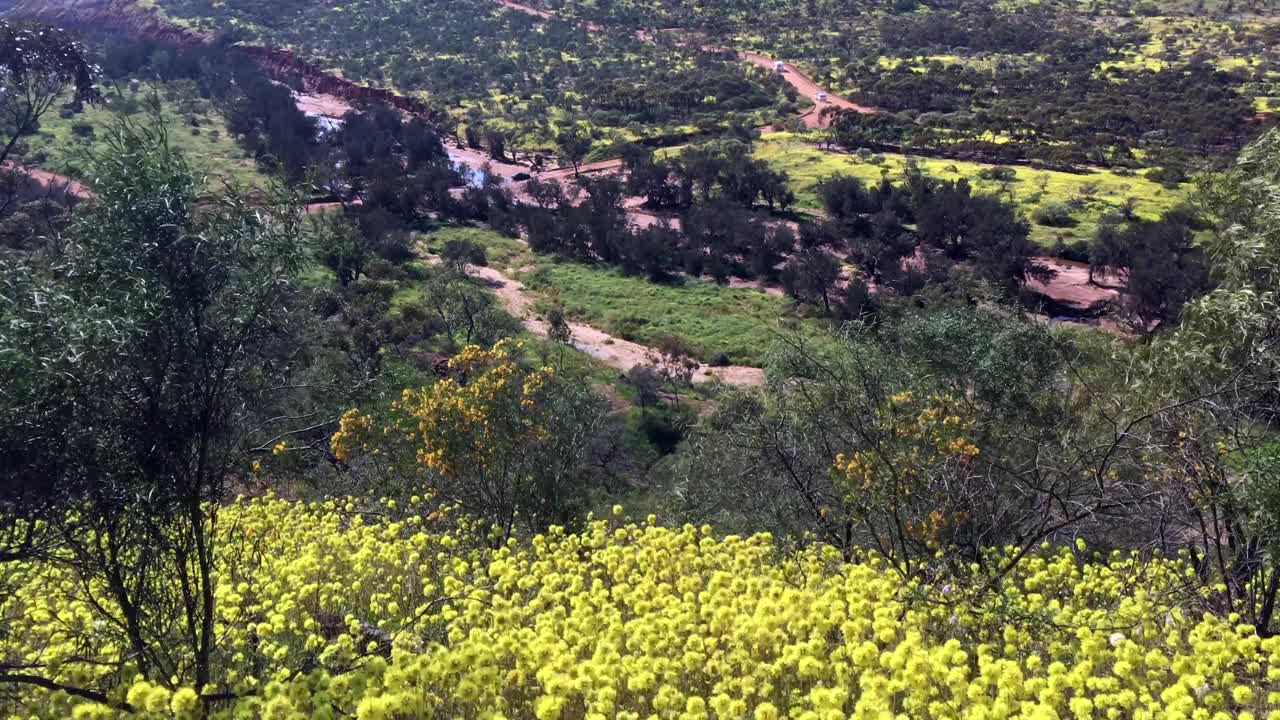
[(260, 112)]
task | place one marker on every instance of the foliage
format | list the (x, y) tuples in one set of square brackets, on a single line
[(927, 438), (1056, 214), (920, 419), (723, 169), (740, 322), (951, 221), (930, 475), (810, 276), (1232, 326), (472, 56), (195, 127), (389, 610), (807, 167), (507, 443), (1161, 265), (715, 185), (147, 352), (259, 113), (39, 65), (1190, 107), (345, 250), (464, 312), (573, 146), (1223, 356)]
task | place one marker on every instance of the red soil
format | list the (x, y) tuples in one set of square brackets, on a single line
[(330, 106), (126, 17), (52, 181), (1070, 284)]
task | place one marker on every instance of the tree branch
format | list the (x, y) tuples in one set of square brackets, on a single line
[(47, 684)]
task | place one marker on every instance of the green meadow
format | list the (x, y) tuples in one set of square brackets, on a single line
[(195, 128), (1091, 195), (742, 323)]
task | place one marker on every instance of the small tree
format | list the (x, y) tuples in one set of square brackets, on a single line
[(465, 311), (342, 247), (507, 442), (647, 385), (496, 143), (39, 65), (548, 195), (558, 328), (811, 276), (927, 438), (472, 136), (458, 254), (672, 359), (573, 146), (144, 360)]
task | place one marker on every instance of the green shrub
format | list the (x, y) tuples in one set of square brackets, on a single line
[(1055, 214)]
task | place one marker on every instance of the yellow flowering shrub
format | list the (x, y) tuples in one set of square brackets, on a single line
[(465, 426), (919, 437), (504, 440), (910, 459), (327, 611)]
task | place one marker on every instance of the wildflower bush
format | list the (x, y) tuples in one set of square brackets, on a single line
[(330, 610), (508, 442)]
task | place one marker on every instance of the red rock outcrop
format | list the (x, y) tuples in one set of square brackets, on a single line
[(125, 16)]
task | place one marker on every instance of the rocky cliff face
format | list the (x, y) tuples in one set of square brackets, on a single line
[(284, 65), (121, 16), (126, 17)]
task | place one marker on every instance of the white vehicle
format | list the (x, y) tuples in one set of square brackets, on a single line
[(779, 66), (821, 97)]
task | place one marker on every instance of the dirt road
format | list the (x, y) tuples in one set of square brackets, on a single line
[(808, 88), (568, 173), (801, 82), (476, 159), (528, 10), (614, 352), (544, 14)]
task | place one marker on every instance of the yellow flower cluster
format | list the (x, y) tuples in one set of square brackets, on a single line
[(326, 613), (461, 423), (354, 428), (914, 437), (464, 424)]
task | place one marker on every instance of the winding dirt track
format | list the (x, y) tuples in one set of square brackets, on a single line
[(808, 88), (1069, 286), (549, 15), (614, 352), (518, 300), (803, 84)]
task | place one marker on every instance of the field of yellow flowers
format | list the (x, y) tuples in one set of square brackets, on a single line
[(332, 610)]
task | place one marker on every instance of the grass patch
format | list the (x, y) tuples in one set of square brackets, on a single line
[(1094, 194), (744, 324), (62, 144), (503, 253)]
